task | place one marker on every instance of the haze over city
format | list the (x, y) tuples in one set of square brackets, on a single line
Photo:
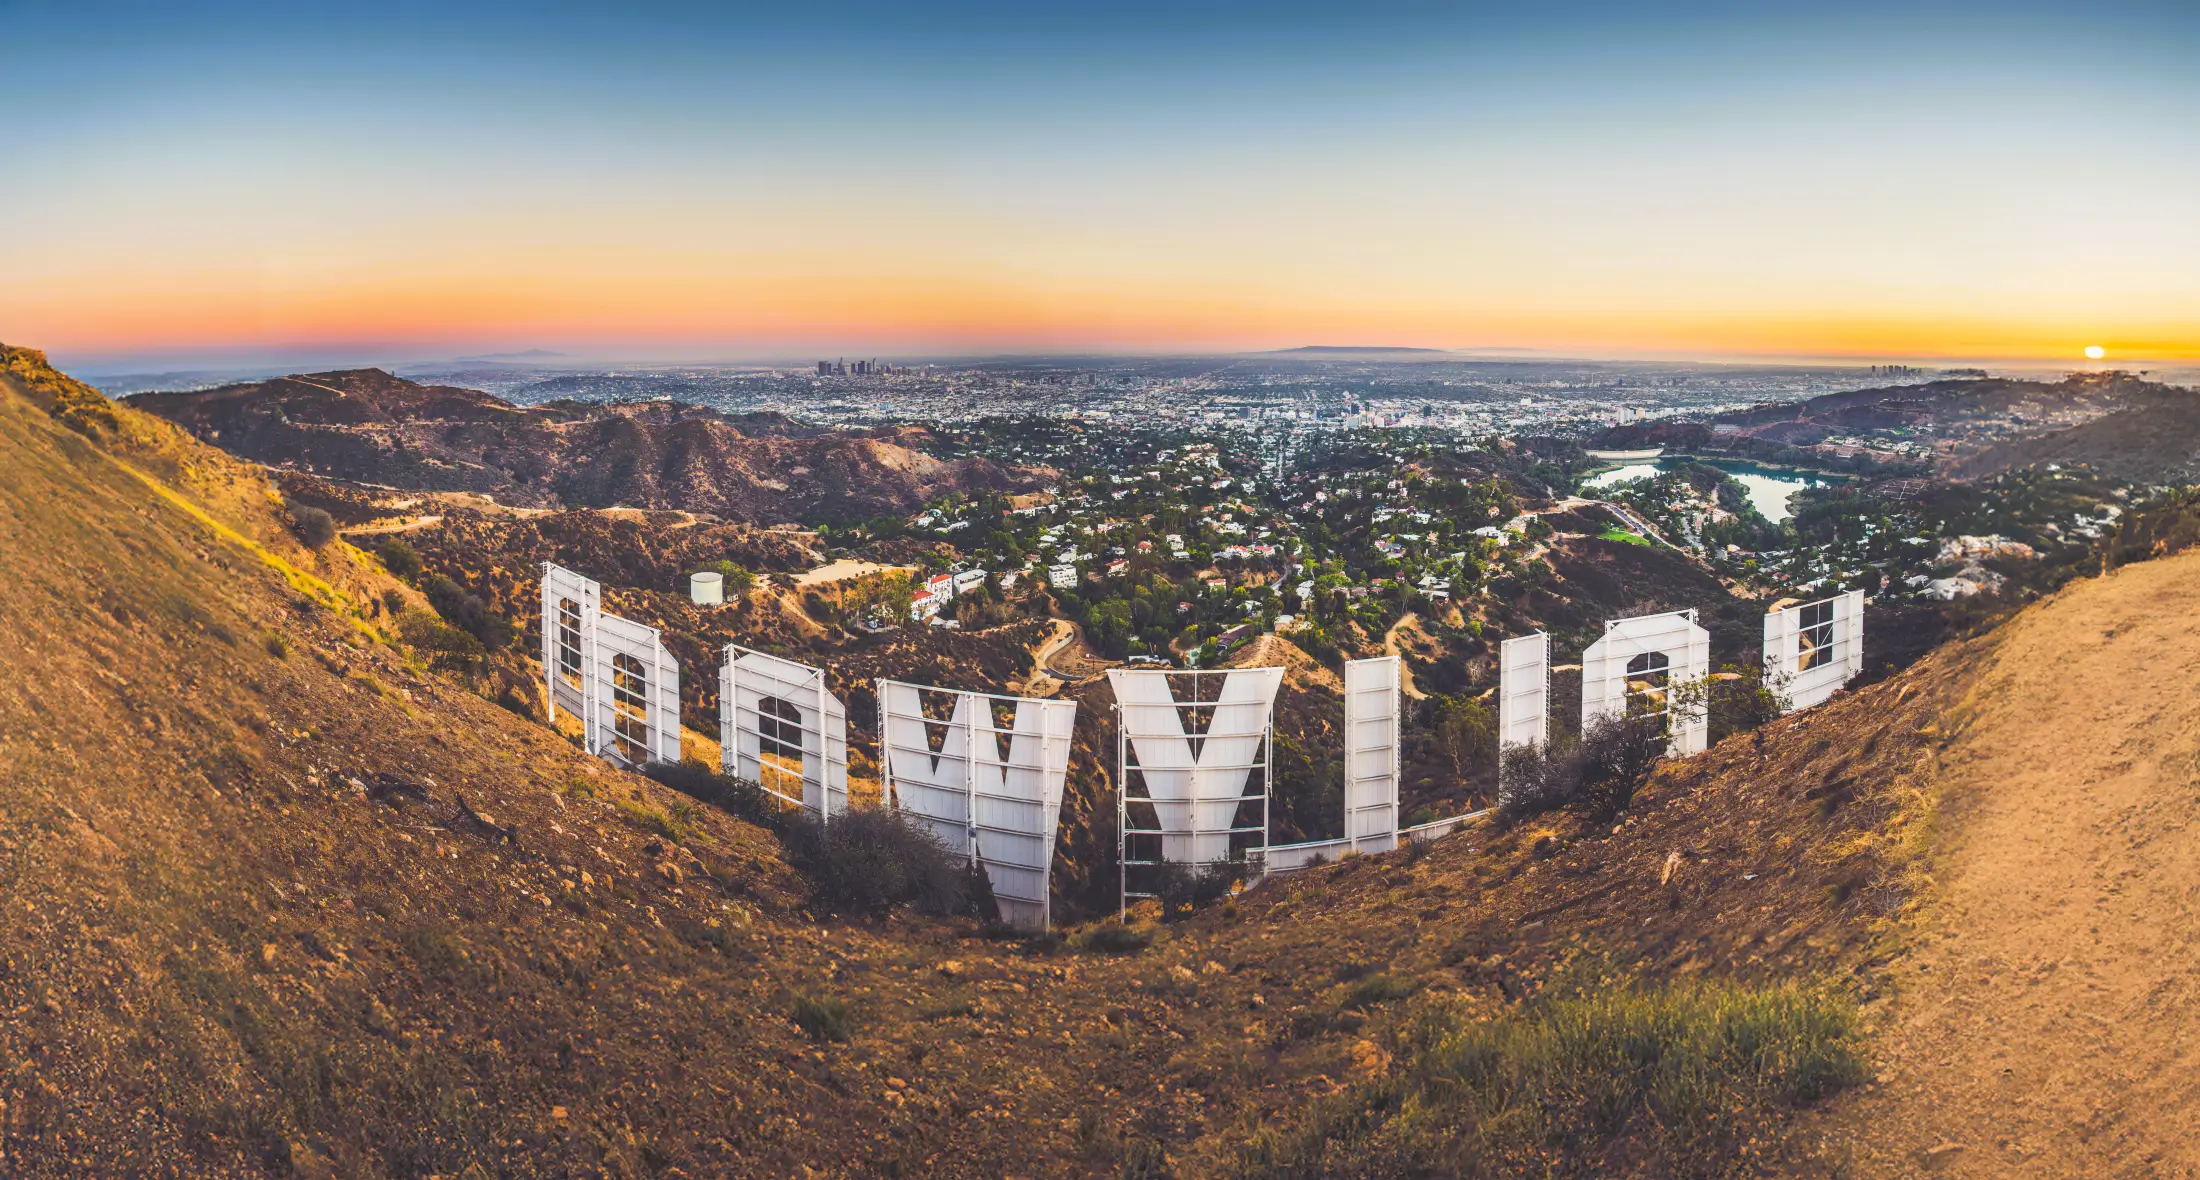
[(243, 183)]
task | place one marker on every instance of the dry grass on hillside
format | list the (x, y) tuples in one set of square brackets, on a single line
[(248, 935)]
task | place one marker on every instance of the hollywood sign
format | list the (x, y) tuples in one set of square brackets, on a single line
[(613, 673), (990, 784), (1811, 650), (1195, 762), (781, 728), (986, 773)]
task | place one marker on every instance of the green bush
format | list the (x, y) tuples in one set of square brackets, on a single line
[(1111, 938), (467, 612), (864, 862), (869, 862), (821, 1018), (1600, 772), (738, 578), (1376, 989), (313, 526), (1693, 1069), (1742, 701), (440, 643), (742, 800), (399, 557), (1182, 888)]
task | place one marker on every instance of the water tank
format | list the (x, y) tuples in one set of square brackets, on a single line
[(707, 589)]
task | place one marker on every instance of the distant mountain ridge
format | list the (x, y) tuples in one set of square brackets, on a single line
[(2154, 439), (369, 426), (1766, 430), (1335, 349)]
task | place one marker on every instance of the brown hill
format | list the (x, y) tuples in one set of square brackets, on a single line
[(282, 902), (368, 426), (1769, 431), (2155, 440), (2040, 1023)]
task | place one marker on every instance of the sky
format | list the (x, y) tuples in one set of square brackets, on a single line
[(209, 183)]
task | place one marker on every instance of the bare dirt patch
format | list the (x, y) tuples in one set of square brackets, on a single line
[(2045, 1017)]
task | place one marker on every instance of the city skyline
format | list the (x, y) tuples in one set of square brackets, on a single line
[(671, 183)]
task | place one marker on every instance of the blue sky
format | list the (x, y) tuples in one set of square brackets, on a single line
[(689, 180)]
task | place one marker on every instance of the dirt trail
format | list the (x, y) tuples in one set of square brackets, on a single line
[(1392, 647), (2047, 1022)]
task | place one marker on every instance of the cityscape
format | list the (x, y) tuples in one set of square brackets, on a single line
[(1197, 591)]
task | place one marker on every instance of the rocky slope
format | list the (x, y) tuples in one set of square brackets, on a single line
[(2154, 440), (1765, 432), (282, 902), (2041, 1024), (370, 427)]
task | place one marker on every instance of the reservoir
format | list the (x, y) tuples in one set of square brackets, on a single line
[(1768, 487)]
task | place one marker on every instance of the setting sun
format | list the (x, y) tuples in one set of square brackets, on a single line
[(2094, 352)]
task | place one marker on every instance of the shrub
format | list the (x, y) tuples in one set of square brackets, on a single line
[(738, 578), (314, 527), (742, 800), (438, 642), (1182, 887), (821, 1018), (1695, 1067), (1112, 938), (1376, 989), (1144, 1159), (467, 612), (1739, 699), (868, 862), (399, 557), (1617, 756), (864, 862), (1465, 732), (1601, 771), (278, 646)]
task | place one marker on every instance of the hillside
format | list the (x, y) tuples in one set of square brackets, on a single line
[(282, 901), (370, 427), (2156, 440), (2042, 1024), (1963, 414)]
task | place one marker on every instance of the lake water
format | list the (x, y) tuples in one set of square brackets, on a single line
[(1768, 487)]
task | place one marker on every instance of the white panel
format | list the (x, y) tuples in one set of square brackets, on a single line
[(1196, 795), (1687, 649), (933, 787), (1811, 663), (569, 643), (798, 749), (1371, 753), (1017, 799), (1438, 829), (1289, 858), (636, 694), (1524, 691), (987, 791)]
